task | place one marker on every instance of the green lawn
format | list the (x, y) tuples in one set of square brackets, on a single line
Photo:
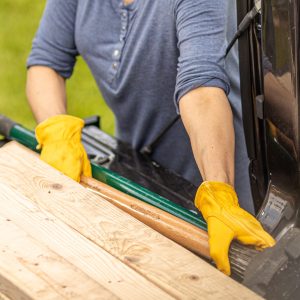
[(19, 20)]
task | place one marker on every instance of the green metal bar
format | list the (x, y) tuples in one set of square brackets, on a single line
[(23, 136), (129, 187), (27, 138)]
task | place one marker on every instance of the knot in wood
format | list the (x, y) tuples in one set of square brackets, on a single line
[(56, 186), (132, 259), (194, 277)]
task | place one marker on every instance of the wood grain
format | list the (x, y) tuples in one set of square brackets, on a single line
[(3, 297), (34, 272), (70, 245), (179, 231), (168, 265)]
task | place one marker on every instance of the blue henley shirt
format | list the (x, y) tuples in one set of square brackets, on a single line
[(144, 57)]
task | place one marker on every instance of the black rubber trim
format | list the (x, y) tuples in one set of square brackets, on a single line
[(6, 125), (243, 7)]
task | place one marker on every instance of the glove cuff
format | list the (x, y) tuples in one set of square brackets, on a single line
[(59, 128), (213, 196), (215, 186)]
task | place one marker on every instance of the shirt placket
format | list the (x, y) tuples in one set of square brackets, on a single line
[(117, 51)]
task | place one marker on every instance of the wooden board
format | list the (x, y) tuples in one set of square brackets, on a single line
[(174, 228), (160, 261), (27, 220), (47, 275)]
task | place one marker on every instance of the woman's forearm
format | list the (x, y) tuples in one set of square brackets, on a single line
[(46, 92), (207, 117)]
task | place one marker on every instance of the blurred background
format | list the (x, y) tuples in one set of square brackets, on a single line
[(19, 21)]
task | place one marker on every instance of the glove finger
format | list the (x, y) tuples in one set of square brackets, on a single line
[(220, 237), (249, 230), (67, 162), (260, 239), (64, 167), (86, 169), (71, 167)]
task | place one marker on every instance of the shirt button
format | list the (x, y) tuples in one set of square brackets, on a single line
[(114, 65), (116, 53), (124, 14), (123, 27)]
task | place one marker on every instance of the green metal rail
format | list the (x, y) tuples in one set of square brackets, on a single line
[(27, 138)]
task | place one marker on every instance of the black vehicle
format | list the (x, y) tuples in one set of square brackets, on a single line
[(269, 69)]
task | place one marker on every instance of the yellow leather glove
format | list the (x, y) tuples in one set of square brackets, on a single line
[(59, 137), (226, 221)]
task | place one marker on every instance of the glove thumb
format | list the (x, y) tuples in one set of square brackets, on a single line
[(86, 169), (220, 238)]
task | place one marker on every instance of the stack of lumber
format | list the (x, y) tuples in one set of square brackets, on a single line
[(58, 240)]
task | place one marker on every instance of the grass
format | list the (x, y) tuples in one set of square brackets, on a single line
[(19, 21)]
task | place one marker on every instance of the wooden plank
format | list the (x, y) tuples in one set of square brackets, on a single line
[(31, 271), (70, 245), (3, 297), (168, 265), (179, 231)]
